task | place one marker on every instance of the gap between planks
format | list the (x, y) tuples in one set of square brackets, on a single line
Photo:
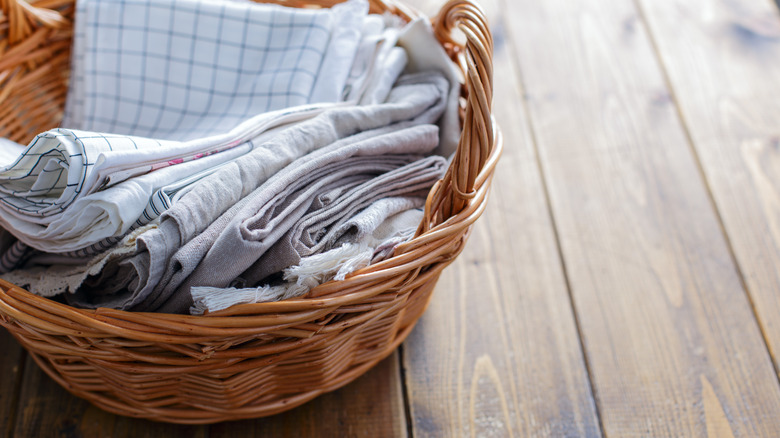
[(719, 366), (478, 363), (703, 174), (551, 214)]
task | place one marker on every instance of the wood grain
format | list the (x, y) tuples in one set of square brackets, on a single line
[(671, 342), (497, 352), (723, 62), (371, 406), (11, 366)]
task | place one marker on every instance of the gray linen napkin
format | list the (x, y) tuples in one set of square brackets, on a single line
[(371, 236), (319, 227)]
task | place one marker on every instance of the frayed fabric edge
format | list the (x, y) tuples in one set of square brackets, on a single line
[(310, 273)]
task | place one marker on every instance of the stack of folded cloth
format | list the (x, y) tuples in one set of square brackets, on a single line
[(226, 152)]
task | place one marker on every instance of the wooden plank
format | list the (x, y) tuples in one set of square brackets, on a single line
[(672, 345), (497, 352), (723, 61), (371, 406), (46, 409), (11, 369)]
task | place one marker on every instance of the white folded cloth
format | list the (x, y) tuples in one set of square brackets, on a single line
[(184, 69), (379, 36), (425, 54), (73, 189), (340, 55)]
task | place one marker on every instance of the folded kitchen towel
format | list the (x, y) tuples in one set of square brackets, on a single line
[(416, 99), (70, 189), (49, 278), (62, 164), (186, 69), (373, 241), (243, 234), (337, 62), (378, 62), (321, 226), (113, 211), (119, 202)]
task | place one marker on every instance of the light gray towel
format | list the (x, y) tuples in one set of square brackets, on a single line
[(416, 99), (233, 246), (322, 225), (377, 233)]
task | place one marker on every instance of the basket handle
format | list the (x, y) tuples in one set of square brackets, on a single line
[(478, 139), (24, 19)]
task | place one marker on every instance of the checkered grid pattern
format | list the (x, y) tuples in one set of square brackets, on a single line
[(49, 176), (193, 67)]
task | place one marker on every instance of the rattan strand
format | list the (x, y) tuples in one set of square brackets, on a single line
[(250, 360)]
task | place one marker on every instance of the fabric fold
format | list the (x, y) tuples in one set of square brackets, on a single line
[(375, 242), (71, 189), (186, 69), (214, 145), (322, 225), (340, 54), (208, 206), (232, 244)]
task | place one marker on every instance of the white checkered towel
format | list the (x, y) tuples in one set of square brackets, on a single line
[(184, 69), (70, 189)]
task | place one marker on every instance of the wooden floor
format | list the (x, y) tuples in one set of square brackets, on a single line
[(625, 280)]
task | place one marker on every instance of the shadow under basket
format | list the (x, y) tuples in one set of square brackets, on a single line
[(250, 360)]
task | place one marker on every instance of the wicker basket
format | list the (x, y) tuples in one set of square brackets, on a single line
[(250, 360)]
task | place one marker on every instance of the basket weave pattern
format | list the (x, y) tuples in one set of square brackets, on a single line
[(250, 360)]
